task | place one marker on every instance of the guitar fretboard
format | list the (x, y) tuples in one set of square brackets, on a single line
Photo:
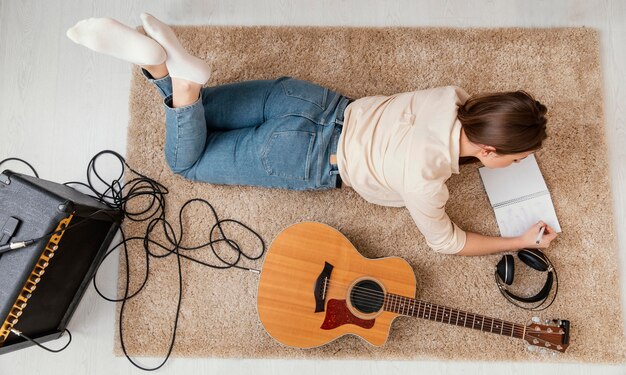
[(421, 309)]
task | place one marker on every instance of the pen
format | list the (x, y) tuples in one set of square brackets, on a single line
[(538, 239)]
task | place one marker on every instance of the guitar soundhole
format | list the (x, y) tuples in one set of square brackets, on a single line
[(367, 296)]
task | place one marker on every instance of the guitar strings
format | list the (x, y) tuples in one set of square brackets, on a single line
[(363, 295), (461, 318), (518, 329)]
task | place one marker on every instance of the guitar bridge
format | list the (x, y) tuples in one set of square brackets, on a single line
[(321, 286)]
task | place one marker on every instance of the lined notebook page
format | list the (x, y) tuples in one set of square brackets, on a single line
[(519, 197)]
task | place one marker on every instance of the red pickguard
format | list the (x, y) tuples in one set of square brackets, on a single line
[(338, 314)]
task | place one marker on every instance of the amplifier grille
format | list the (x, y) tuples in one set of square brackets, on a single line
[(31, 282)]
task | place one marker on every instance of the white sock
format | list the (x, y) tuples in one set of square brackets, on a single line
[(179, 63), (108, 36)]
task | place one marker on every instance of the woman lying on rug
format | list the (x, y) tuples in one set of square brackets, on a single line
[(286, 133)]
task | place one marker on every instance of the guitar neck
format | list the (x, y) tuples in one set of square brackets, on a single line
[(426, 310)]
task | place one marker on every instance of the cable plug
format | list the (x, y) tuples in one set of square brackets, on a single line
[(15, 245), (17, 332)]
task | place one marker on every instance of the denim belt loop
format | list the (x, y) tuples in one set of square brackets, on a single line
[(341, 108)]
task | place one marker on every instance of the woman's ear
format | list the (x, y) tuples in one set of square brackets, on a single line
[(487, 150)]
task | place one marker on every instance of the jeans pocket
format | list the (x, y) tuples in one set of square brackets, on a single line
[(288, 154), (307, 91)]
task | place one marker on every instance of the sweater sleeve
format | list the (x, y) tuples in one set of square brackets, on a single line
[(428, 212)]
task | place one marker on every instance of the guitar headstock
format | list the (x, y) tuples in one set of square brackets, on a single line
[(553, 335)]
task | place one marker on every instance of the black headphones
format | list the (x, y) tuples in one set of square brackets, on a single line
[(535, 259)]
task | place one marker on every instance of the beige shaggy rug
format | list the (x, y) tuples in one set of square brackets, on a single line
[(561, 67)]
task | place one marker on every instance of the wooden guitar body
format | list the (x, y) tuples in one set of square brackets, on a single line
[(315, 287), (291, 279)]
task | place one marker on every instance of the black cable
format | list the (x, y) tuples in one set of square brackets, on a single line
[(145, 186), (117, 196), (21, 334), (23, 161)]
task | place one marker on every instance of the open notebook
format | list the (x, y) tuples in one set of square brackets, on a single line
[(519, 197)]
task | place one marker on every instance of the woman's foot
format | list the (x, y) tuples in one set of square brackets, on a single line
[(180, 64), (108, 36)]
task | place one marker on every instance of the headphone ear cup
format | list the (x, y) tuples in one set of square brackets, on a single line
[(505, 269), (534, 259)]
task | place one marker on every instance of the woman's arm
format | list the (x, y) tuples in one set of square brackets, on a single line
[(477, 244)]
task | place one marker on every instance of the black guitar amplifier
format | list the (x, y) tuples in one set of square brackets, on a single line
[(42, 284)]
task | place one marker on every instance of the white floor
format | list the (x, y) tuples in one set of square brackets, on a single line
[(61, 104)]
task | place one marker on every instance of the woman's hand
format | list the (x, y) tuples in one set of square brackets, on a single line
[(528, 239)]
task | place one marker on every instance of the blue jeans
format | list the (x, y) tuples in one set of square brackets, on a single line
[(272, 133)]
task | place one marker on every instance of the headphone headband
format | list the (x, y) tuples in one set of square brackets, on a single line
[(541, 295)]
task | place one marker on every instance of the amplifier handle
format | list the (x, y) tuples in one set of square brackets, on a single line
[(8, 229)]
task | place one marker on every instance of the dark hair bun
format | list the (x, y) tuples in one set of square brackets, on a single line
[(542, 109)]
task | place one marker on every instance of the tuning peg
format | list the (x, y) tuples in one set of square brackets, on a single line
[(536, 319), (548, 321), (531, 348)]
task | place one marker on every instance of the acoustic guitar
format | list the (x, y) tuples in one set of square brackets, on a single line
[(315, 287)]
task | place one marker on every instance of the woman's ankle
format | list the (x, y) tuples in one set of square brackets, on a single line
[(184, 92), (156, 71)]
